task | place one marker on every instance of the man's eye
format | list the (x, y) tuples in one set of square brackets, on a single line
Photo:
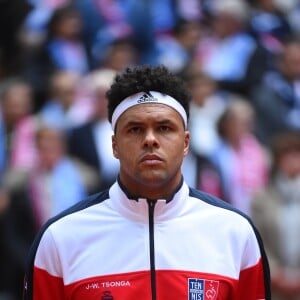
[(135, 129), (164, 128)]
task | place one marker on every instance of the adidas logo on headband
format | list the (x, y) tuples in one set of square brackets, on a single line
[(147, 97)]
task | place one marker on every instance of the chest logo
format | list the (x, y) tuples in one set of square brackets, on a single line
[(106, 295), (202, 289)]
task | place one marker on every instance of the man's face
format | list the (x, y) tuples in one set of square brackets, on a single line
[(51, 148), (291, 62), (150, 142)]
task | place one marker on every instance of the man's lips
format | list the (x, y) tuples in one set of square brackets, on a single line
[(151, 159)]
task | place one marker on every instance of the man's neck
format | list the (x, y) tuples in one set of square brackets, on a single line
[(150, 195)]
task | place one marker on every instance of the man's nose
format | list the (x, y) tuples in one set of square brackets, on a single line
[(150, 139)]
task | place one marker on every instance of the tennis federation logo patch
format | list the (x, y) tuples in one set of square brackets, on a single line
[(202, 289)]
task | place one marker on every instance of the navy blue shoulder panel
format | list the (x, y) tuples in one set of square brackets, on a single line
[(85, 203), (220, 203), (215, 201)]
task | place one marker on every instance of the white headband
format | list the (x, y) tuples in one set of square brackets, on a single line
[(147, 97)]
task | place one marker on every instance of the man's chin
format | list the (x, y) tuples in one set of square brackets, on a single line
[(153, 179)]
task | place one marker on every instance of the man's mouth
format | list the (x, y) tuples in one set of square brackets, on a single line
[(151, 159)]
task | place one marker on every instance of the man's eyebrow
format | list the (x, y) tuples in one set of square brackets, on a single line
[(133, 123), (160, 122), (165, 121)]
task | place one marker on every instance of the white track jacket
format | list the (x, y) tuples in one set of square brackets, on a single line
[(111, 247)]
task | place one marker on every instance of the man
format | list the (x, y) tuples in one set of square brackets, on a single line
[(276, 99), (96, 132), (275, 211), (149, 236)]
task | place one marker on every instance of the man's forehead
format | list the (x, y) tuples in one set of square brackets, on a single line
[(142, 99), (151, 111)]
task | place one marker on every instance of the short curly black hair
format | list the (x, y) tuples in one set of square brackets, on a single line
[(145, 78)]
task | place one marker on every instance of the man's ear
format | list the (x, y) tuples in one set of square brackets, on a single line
[(186, 143), (114, 147)]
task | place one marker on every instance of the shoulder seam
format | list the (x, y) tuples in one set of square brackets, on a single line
[(222, 204), (85, 203)]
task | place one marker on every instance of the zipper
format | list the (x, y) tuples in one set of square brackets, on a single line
[(151, 205)]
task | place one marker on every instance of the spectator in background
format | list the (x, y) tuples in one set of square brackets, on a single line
[(269, 24), (17, 125), (34, 27), (275, 211), (205, 109), (64, 108), (176, 50), (89, 142), (118, 55), (64, 42), (228, 53), (240, 158), (62, 49), (207, 104), (142, 21), (104, 22), (55, 182), (202, 174), (277, 99)]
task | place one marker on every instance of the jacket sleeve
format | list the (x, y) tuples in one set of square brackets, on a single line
[(43, 278), (254, 279)]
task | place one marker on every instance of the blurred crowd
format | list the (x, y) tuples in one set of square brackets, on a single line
[(241, 62)]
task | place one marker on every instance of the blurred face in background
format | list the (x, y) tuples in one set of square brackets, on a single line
[(190, 34), (68, 26), (16, 103), (201, 87), (225, 24), (121, 55), (236, 122), (289, 163), (100, 104), (98, 84), (290, 61), (229, 17), (63, 88), (50, 145)]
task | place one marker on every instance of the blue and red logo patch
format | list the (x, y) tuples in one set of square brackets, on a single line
[(202, 289)]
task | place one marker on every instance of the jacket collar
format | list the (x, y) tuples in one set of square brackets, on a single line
[(137, 208), (136, 198)]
